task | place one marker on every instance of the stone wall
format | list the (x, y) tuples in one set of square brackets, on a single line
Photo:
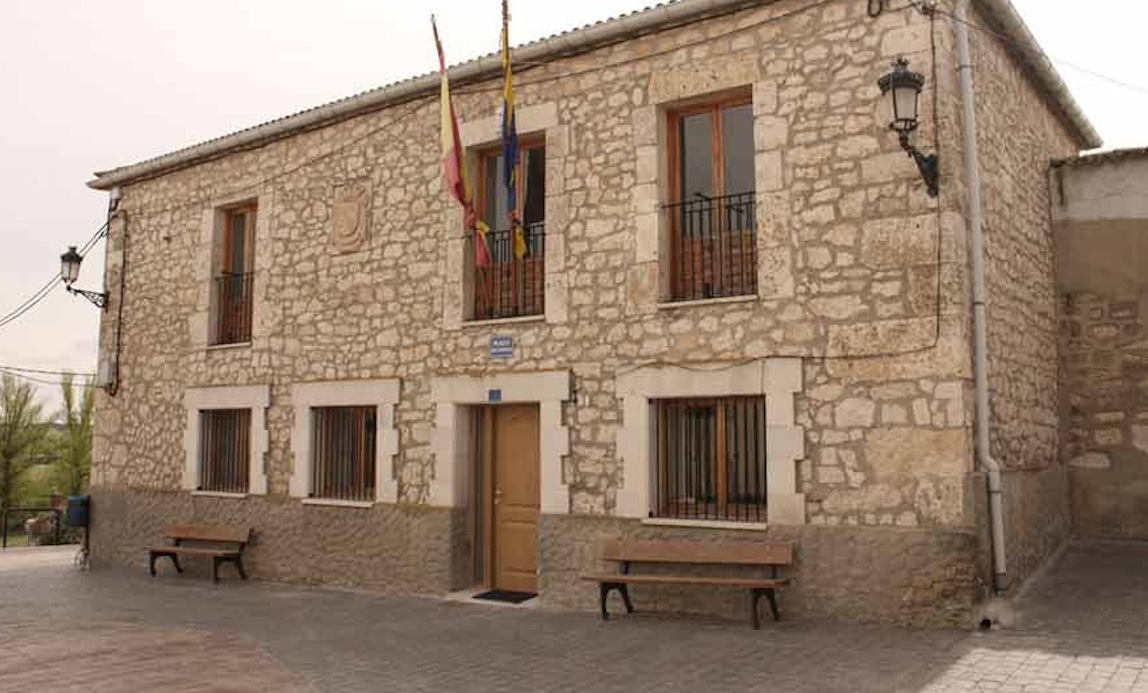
[(403, 549), (1019, 136), (1105, 417), (861, 275), (909, 576)]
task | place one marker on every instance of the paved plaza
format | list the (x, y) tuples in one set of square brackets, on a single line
[(1081, 627)]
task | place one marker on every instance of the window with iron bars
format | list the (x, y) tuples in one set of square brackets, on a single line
[(710, 457), (224, 450), (343, 465), (511, 287), (713, 212)]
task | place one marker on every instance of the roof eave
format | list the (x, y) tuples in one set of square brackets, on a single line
[(580, 40)]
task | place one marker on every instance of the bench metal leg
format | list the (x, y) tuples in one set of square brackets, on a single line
[(175, 562), (755, 596), (215, 561), (772, 597), (151, 562), (604, 592), (239, 566), (624, 590)]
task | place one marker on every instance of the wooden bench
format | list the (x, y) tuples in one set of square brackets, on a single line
[(771, 556), (221, 544)]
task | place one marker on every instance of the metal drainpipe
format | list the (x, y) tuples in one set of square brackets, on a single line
[(975, 212)]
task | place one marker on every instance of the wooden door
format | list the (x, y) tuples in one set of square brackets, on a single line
[(515, 498)]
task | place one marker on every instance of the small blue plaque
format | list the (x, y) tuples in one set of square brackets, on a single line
[(501, 346), (494, 396)]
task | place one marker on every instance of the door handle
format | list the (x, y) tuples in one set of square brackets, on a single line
[(497, 496)]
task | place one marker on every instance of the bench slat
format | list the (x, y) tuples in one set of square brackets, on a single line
[(220, 533), (689, 580), (194, 551), (739, 553)]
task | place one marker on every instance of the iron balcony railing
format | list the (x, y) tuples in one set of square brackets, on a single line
[(233, 302), (714, 247), (508, 287)]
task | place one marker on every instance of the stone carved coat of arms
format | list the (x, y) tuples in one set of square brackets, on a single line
[(349, 219)]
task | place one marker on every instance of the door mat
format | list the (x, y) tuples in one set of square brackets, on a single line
[(506, 596)]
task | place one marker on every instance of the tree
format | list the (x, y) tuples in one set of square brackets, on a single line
[(74, 456), (22, 432)]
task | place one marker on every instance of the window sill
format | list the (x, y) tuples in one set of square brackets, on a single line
[(225, 347), (505, 321), (330, 502), (705, 524), (671, 305), (220, 494)]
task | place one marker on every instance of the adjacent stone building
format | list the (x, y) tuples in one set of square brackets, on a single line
[(741, 318), (1100, 212)]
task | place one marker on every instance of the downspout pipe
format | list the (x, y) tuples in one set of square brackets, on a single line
[(976, 218)]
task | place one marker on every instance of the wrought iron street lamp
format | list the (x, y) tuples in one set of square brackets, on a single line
[(70, 272), (904, 87)]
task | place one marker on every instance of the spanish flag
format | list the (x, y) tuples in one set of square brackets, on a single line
[(454, 167), (510, 141)]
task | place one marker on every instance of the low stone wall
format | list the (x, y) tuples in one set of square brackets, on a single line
[(907, 576), (386, 548)]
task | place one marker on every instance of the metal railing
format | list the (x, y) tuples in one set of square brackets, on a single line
[(57, 529), (714, 247), (344, 453), (508, 287), (233, 304), (711, 459), (224, 444)]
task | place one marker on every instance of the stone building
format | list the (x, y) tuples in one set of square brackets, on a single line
[(731, 257), (1100, 213)]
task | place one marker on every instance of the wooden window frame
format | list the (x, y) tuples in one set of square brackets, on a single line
[(364, 468), (717, 140), (721, 508), (209, 421), (482, 189), (250, 211)]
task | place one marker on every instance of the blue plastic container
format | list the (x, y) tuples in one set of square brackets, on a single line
[(79, 510)]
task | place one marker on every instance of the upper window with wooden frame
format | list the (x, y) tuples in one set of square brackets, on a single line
[(510, 286), (712, 208), (710, 459), (233, 276)]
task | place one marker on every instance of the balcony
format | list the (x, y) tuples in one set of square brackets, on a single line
[(233, 301), (508, 287), (713, 247)]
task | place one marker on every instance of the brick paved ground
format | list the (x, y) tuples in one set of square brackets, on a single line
[(1082, 628)]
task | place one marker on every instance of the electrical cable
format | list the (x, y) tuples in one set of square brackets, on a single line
[(41, 371), (1037, 53), (40, 295), (42, 381)]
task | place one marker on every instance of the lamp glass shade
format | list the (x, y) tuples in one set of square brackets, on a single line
[(70, 265), (905, 106)]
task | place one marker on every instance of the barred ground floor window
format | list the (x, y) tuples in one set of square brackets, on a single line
[(710, 457), (224, 449), (343, 465)]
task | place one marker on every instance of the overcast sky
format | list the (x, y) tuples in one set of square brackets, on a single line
[(87, 86)]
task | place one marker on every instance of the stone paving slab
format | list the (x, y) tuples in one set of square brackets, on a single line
[(259, 636)]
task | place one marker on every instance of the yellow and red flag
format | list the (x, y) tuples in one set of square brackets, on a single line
[(454, 167)]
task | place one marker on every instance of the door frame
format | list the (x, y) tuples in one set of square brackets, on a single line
[(482, 444)]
